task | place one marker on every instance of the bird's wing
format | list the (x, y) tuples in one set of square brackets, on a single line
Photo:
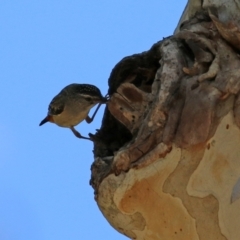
[(86, 89)]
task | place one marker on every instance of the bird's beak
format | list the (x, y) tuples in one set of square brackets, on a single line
[(46, 119)]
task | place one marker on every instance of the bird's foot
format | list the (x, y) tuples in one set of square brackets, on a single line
[(78, 135)]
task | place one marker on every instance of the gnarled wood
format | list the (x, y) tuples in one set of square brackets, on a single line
[(167, 156)]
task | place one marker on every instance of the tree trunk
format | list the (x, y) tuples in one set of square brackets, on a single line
[(167, 155)]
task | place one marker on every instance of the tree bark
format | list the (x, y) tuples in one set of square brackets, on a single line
[(167, 155)]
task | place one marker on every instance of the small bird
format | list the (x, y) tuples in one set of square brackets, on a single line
[(72, 105)]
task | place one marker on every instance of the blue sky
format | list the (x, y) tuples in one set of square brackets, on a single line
[(44, 46)]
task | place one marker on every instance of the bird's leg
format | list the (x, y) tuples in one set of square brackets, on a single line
[(77, 134), (88, 119)]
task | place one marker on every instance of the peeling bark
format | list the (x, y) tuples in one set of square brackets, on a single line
[(168, 109)]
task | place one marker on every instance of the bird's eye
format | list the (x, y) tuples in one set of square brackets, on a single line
[(88, 99), (55, 110)]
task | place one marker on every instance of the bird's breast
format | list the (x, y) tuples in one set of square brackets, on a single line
[(71, 115)]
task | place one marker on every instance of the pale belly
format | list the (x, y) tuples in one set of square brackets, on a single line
[(70, 118)]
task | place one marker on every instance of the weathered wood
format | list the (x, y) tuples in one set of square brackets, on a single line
[(167, 156)]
